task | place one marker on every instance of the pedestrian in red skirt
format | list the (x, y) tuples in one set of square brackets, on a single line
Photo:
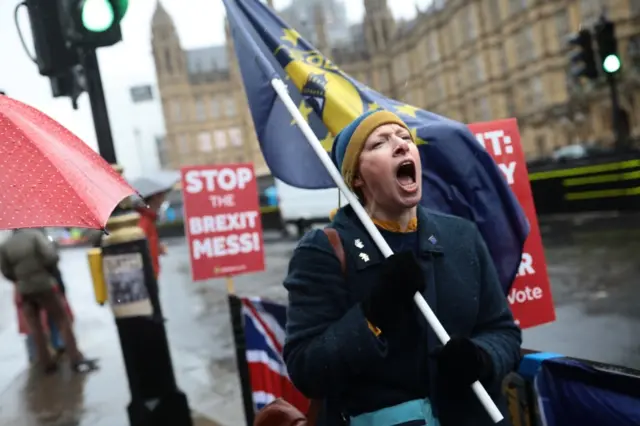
[(48, 325), (27, 258)]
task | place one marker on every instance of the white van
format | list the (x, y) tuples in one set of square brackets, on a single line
[(301, 209), (4, 236)]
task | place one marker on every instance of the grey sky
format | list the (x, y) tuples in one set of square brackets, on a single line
[(124, 65)]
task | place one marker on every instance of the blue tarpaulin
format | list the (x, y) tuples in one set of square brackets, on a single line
[(573, 393)]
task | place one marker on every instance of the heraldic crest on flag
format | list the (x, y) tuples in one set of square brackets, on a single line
[(326, 90)]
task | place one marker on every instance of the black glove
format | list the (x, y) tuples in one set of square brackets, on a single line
[(461, 362), (392, 296)]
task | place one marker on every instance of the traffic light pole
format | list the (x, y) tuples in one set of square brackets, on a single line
[(605, 35), (615, 112), (106, 147), (133, 292)]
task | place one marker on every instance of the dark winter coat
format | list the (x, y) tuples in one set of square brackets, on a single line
[(27, 258), (331, 353)]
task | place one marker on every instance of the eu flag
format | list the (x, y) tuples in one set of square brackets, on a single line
[(459, 176)]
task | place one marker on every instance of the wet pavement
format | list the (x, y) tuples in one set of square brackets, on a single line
[(198, 329), (594, 265), (595, 280)]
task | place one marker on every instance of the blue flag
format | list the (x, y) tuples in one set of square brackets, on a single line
[(571, 392), (459, 177)]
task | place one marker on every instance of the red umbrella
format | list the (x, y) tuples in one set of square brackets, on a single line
[(49, 177)]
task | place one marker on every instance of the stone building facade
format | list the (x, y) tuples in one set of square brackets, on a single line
[(471, 60), (205, 110)]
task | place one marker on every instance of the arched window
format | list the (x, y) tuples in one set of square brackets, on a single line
[(168, 62), (156, 60), (633, 52)]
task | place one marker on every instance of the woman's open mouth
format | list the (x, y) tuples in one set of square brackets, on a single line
[(406, 175)]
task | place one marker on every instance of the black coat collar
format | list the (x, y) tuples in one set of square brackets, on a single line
[(363, 250)]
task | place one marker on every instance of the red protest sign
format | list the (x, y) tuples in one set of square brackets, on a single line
[(222, 220), (530, 296)]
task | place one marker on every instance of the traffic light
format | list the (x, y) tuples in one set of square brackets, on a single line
[(582, 57), (59, 27), (92, 23), (52, 55), (607, 46), (71, 84)]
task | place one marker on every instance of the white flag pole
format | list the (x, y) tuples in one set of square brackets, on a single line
[(281, 89)]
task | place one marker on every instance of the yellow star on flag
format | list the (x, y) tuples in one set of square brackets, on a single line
[(290, 35), (327, 142), (305, 110), (373, 106), (407, 110), (417, 140)]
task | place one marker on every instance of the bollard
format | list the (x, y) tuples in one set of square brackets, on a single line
[(133, 296), (97, 275)]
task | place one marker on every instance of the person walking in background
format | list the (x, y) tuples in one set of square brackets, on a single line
[(57, 274), (48, 325), (27, 259), (153, 190), (148, 223)]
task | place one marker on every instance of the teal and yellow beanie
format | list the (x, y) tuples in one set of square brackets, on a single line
[(348, 144)]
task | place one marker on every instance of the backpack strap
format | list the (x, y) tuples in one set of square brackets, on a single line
[(336, 242), (314, 411)]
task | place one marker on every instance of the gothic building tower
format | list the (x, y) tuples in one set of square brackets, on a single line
[(320, 27), (167, 53), (205, 109), (379, 25)]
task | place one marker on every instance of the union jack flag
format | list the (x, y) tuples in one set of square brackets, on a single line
[(264, 324)]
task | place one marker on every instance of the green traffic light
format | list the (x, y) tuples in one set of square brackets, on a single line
[(611, 64), (122, 6), (97, 15)]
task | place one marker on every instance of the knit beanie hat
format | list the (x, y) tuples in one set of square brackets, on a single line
[(348, 144)]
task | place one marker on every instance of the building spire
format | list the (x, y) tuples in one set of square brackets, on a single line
[(321, 34), (160, 16), (378, 24)]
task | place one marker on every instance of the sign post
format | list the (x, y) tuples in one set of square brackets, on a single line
[(224, 231), (530, 296)]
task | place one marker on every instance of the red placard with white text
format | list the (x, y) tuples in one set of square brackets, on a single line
[(530, 296), (222, 220)]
